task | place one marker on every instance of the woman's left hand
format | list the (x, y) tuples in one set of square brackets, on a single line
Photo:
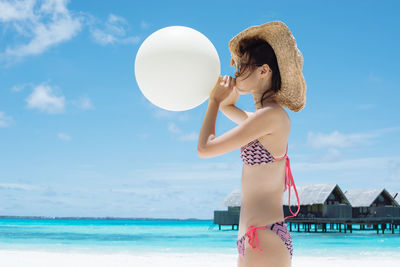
[(223, 88)]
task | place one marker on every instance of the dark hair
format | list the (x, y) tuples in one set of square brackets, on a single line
[(258, 51)]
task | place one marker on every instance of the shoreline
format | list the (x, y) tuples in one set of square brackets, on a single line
[(13, 258)]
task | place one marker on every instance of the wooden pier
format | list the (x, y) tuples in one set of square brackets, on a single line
[(323, 225), (340, 225)]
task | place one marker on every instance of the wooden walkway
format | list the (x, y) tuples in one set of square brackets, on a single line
[(325, 224), (310, 225)]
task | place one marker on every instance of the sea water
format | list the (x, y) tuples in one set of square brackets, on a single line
[(177, 236)]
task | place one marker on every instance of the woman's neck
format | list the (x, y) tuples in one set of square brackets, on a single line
[(267, 101)]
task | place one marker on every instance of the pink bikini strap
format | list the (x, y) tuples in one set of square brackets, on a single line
[(285, 156), (290, 182), (252, 234)]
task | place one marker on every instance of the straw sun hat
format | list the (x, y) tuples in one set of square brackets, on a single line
[(290, 61)]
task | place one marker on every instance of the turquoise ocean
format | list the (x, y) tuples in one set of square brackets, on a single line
[(177, 236)]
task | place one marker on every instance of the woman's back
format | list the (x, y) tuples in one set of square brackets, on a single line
[(263, 182)]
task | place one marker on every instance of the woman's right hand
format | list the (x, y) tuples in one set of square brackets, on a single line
[(232, 98)]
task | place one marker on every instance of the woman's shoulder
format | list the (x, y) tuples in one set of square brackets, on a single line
[(275, 110)]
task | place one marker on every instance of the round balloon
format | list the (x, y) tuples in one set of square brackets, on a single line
[(176, 68)]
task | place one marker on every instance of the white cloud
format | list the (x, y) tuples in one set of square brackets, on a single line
[(41, 25), (5, 120), (83, 102), (44, 99), (335, 139), (44, 24), (16, 10), (113, 31), (143, 136), (144, 25), (183, 117), (344, 165), (189, 137), (332, 154), (25, 187), (181, 136), (340, 140), (161, 113), (64, 136), (172, 128), (20, 87)]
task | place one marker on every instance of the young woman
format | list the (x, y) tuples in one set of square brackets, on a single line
[(268, 66)]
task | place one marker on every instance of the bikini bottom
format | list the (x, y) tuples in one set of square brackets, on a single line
[(279, 228)]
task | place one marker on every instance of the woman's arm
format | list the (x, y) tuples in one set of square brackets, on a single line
[(227, 106), (234, 113), (208, 127)]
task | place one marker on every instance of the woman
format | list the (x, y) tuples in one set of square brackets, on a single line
[(269, 66)]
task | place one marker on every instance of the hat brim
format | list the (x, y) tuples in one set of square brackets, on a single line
[(290, 61)]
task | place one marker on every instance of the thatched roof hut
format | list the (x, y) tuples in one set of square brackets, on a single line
[(372, 203), (315, 194), (318, 200), (234, 199), (370, 197)]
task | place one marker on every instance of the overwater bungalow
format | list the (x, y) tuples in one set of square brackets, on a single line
[(372, 203), (318, 201), (230, 216), (325, 207)]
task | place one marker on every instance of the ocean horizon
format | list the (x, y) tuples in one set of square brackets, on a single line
[(175, 236), (99, 218)]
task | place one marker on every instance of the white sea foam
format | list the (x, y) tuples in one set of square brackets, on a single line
[(12, 258)]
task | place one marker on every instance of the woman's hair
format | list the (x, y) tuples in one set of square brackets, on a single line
[(255, 50)]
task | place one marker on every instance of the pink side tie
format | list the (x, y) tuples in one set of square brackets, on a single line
[(252, 234), (288, 183)]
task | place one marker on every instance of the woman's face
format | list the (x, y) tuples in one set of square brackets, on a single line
[(247, 81), (246, 86)]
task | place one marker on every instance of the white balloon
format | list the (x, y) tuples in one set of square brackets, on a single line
[(176, 68)]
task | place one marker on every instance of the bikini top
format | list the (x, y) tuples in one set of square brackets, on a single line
[(254, 153)]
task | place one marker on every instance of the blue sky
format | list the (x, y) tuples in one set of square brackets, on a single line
[(77, 137)]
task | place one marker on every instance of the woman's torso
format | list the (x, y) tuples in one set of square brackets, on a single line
[(263, 184)]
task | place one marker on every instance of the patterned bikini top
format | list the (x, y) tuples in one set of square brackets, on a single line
[(254, 153)]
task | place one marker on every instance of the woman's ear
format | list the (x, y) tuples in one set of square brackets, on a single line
[(265, 69), (232, 62)]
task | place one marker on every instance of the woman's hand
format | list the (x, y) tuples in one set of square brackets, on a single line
[(223, 88), (231, 99)]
